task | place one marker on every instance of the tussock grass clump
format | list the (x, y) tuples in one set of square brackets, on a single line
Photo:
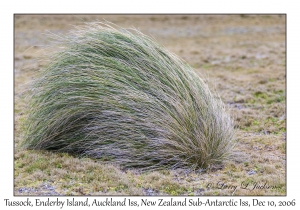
[(117, 95)]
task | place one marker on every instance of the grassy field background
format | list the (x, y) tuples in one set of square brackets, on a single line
[(243, 57)]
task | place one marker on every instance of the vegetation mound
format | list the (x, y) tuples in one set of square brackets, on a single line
[(117, 95)]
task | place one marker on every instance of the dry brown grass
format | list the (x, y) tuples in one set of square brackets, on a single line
[(244, 59)]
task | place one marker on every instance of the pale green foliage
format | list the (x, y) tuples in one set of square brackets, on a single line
[(117, 95)]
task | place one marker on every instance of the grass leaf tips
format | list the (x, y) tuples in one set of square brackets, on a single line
[(118, 96)]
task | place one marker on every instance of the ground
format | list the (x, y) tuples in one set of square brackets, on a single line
[(243, 57)]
